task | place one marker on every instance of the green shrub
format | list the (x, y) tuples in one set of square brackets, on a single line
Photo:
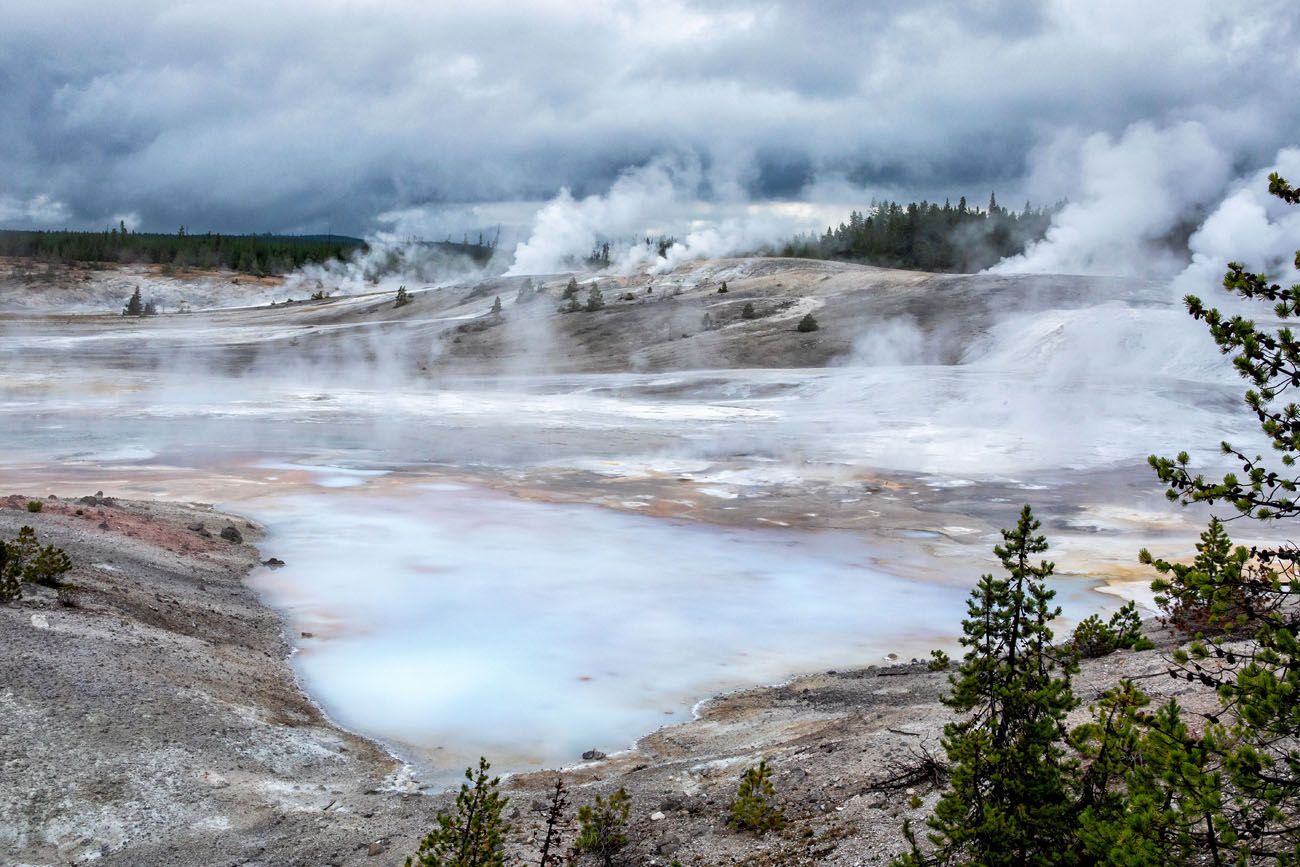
[(34, 505), (754, 808), (602, 827), (1094, 637), (23, 559), (403, 297), (807, 324), (939, 661), (474, 834), (748, 312)]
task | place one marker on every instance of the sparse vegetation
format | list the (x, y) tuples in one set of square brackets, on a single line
[(748, 312), (496, 308), (550, 855), (403, 297), (939, 661), (602, 827), (754, 808), (570, 289), (319, 295), (35, 505), (473, 835), (595, 299), (807, 324)]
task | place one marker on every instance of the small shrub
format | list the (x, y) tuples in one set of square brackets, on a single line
[(403, 297), (35, 505), (602, 827), (1094, 637), (570, 289), (150, 309), (722, 290), (595, 300), (473, 835), (69, 595), (807, 324), (748, 311), (319, 295), (23, 559), (754, 808), (939, 661)]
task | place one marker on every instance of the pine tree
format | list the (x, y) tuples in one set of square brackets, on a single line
[(1147, 796), (602, 827), (748, 312), (473, 835), (570, 289), (807, 324), (496, 308), (754, 808), (24, 559), (1008, 802), (135, 305), (595, 300), (403, 297)]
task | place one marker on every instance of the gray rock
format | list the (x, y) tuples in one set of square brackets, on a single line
[(593, 755), (231, 534)]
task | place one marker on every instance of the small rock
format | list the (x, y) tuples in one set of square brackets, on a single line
[(231, 534), (376, 848), (195, 526), (273, 563), (307, 634), (672, 802), (669, 846), (657, 816), (103, 525), (593, 755)]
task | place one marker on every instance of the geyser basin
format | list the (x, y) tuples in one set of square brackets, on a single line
[(453, 623)]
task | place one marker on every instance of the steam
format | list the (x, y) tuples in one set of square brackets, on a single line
[(1164, 203), (663, 197), (388, 262), (1248, 226), (1134, 193)]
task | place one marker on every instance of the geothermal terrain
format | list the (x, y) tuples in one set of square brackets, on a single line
[(533, 535)]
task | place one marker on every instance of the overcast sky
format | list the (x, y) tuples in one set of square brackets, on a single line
[(295, 116)]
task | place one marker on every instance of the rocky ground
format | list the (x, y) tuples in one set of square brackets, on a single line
[(150, 717)]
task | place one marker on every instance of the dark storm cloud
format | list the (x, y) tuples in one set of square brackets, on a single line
[(292, 115)]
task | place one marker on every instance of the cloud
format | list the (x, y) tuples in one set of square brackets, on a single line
[(325, 115)]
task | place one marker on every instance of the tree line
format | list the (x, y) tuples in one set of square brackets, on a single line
[(925, 236), (260, 255)]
